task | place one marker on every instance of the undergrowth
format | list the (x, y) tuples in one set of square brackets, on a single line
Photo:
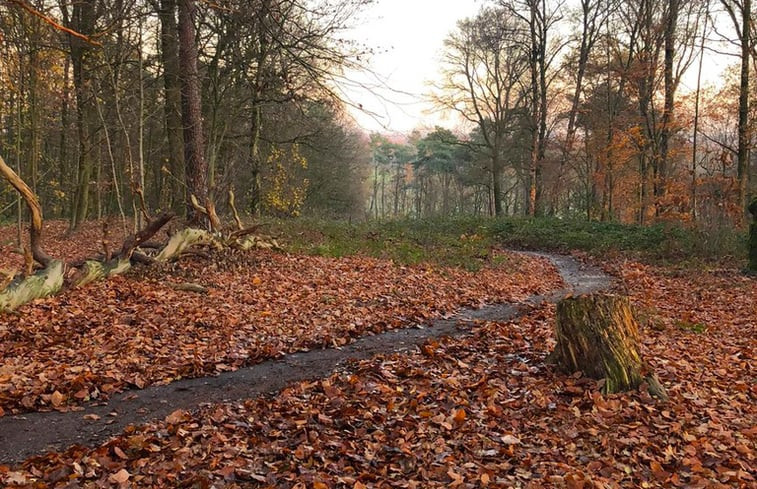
[(468, 242)]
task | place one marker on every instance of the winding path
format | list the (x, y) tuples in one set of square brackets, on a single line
[(30, 434)]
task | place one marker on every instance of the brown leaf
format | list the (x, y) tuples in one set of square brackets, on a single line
[(119, 477), (177, 417), (57, 399), (459, 416)]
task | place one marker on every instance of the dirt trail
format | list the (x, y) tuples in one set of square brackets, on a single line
[(32, 434)]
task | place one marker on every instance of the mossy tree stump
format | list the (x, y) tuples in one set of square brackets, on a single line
[(598, 335)]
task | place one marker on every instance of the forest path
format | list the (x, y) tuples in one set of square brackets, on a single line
[(26, 435)]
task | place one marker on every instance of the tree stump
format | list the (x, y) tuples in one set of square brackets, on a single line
[(598, 335)]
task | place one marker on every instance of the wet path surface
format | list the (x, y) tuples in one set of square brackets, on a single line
[(22, 436)]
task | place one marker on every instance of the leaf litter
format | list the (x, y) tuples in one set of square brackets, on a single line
[(136, 330), (476, 411)]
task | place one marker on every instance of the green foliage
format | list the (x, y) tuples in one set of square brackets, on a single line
[(467, 242), (667, 242), (448, 242), (697, 328)]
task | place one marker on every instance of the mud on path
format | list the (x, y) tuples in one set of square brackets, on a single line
[(23, 436)]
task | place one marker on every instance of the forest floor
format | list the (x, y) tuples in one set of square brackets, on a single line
[(477, 410)]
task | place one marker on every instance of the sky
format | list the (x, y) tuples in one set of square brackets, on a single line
[(408, 37)]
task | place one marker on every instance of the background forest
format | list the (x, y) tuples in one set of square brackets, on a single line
[(569, 109), (394, 338)]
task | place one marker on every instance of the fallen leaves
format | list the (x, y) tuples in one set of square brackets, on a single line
[(476, 411), (56, 399), (119, 477), (136, 330)]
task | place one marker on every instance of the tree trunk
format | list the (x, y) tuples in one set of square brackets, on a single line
[(598, 335), (743, 149), (667, 131), (44, 283), (752, 266), (169, 42), (191, 111), (83, 21)]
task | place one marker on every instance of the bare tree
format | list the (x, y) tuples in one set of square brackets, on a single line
[(484, 67), (740, 13), (539, 19)]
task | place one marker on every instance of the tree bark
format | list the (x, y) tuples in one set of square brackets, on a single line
[(82, 20), (598, 335), (169, 45), (35, 232), (744, 136), (752, 266), (666, 132), (191, 111)]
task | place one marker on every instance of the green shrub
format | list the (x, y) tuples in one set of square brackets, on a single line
[(467, 242)]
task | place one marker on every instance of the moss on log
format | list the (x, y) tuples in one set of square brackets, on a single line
[(182, 241), (96, 270), (598, 335), (44, 283)]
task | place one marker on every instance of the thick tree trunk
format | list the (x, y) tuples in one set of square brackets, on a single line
[(191, 111), (598, 335), (83, 20), (44, 283), (667, 130), (169, 43), (743, 149)]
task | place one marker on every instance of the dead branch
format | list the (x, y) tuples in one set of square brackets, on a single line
[(234, 210), (136, 239), (215, 222), (242, 233), (8, 277), (190, 287), (142, 259), (105, 241), (142, 206), (52, 22), (35, 231)]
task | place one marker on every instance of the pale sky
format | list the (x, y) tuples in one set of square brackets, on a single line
[(408, 37)]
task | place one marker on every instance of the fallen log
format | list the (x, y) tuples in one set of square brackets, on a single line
[(56, 275), (44, 283), (598, 335), (93, 270), (183, 240), (51, 279)]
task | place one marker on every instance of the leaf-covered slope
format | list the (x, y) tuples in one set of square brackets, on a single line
[(476, 411), (139, 330)]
